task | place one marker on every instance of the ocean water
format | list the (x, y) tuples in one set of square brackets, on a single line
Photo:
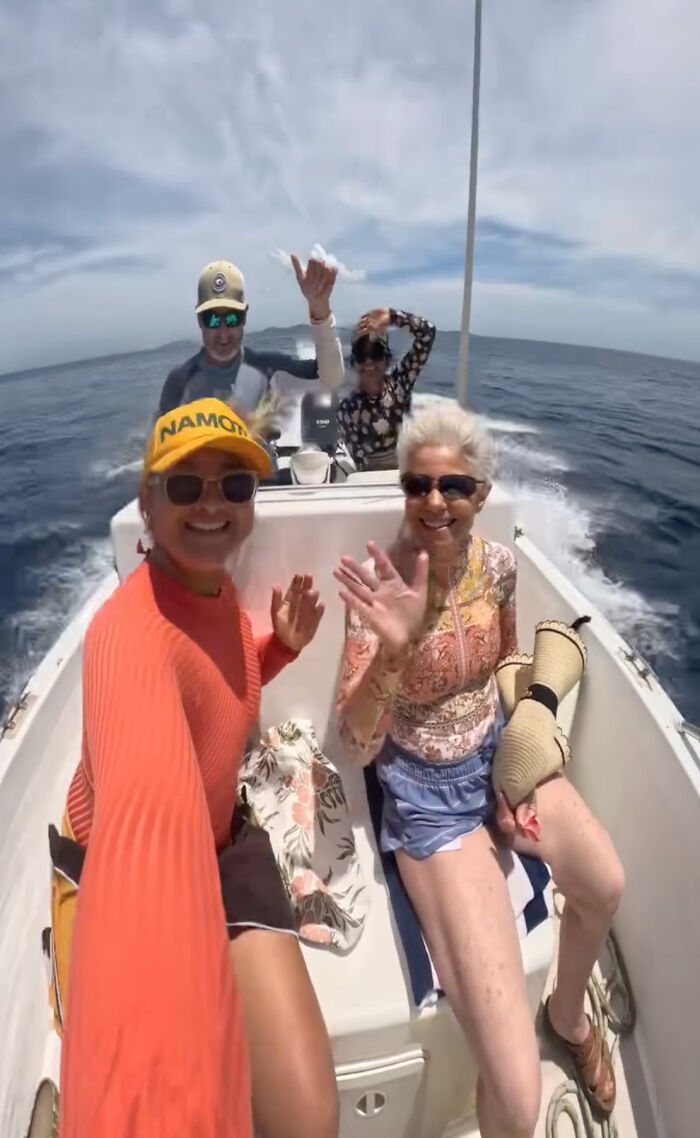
[(603, 446)]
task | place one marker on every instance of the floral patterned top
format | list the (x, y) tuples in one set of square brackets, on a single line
[(441, 701), (369, 424)]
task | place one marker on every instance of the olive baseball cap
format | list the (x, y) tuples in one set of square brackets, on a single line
[(220, 286)]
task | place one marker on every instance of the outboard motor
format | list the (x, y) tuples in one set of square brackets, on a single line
[(319, 426), (310, 466)]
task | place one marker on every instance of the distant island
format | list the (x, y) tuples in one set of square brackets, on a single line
[(293, 333)]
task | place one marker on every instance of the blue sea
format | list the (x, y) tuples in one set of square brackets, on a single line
[(604, 445)]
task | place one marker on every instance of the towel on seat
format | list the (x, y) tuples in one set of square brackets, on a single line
[(297, 796), (527, 878)]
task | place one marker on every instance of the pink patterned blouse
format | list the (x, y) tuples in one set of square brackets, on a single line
[(440, 703)]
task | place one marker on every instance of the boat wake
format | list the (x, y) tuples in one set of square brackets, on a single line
[(63, 589), (564, 529), (112, 470)]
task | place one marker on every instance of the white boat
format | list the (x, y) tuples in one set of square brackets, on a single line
[(402, 1071)]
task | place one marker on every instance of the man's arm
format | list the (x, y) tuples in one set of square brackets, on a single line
[(316, 285), (270, 362), (329, 352)]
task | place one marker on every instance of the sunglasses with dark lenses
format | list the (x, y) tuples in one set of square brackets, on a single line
[(232, 319), (452, 487), (372, 353), (188, 489)]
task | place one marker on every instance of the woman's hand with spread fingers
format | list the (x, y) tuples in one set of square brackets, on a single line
[(393, 608), (296, 615)]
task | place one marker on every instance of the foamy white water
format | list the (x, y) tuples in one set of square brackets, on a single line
[(65, 588), (565, 532), (105, 469), (527, 455), (562, 527), (305, 349), (510, 426)]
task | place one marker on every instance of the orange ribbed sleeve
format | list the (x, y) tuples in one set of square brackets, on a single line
[(153, 1046), (273, 655)]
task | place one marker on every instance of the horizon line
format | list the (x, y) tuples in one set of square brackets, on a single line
[(340, 328)]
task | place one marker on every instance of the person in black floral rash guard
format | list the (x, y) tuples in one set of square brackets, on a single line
[(370, 417)]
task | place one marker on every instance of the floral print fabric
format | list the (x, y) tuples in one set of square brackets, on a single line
[(297, 796), (369, 424), (443, 701)]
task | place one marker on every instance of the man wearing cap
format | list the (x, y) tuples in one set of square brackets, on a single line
[(224, 368)]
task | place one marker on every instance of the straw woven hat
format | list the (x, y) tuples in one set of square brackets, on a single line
[(512, 677), (559, 657), (532, 747)]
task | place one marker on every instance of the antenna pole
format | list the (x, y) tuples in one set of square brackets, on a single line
[(463, 367)]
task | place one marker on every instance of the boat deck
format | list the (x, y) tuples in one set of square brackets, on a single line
[(633, 1116), (632, 1121), (637, 773)]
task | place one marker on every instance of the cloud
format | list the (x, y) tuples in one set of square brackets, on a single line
[(138, 142), (350, 276)]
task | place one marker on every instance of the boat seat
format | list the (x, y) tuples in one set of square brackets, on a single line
[(376, 1003)]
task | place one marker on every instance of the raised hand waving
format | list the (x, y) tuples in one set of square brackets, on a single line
[(392, 607)]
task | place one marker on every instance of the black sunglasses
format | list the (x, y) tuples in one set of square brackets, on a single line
[(187, 489), (232, 319), (374, 352), (453, 487)]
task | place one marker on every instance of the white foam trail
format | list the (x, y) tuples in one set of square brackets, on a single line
[(514, 455), (305, 349), (105, 469), (498, 426), (510, 426), (565, 532), (36, 531), (65, 588), (522, 455), (424, 399)]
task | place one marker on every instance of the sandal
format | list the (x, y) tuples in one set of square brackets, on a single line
[(590, 1058)]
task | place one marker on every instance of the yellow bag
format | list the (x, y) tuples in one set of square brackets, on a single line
[(67, 860)]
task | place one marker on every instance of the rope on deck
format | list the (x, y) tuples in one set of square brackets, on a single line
[(569, 1099)]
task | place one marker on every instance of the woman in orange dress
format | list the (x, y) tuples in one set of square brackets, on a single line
[(179, 983)]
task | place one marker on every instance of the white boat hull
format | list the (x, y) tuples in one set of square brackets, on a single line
[(411, 1072)]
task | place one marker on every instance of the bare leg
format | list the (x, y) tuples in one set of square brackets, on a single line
[(292, 1074), (587, 869), (463, 905)]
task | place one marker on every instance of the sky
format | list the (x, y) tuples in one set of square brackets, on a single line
[(140, 139)]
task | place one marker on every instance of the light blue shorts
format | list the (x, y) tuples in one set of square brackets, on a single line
[(427, 805)]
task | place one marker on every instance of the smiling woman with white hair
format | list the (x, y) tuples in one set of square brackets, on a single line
[(459, 431), (427, 625)]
